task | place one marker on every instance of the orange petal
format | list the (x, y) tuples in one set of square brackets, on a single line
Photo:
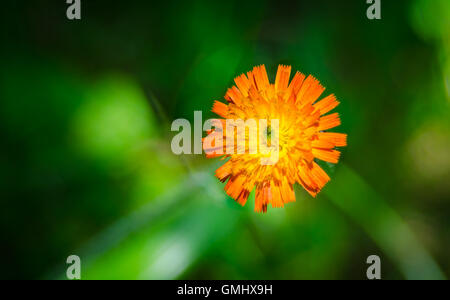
[(326, 104), (260, 77), (287, 192), (329, 121), (224, 171), (234, 95), (242, 199), (319, 175), (294, 87), (309, 92), (234, 187), (308, 183), (220, 108), (260, 205), (338, 139), (322, 143), (243, 84), (282, 79), (276, 195), (331, 156)]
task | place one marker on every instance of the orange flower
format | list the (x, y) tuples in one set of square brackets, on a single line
[(301, 134)]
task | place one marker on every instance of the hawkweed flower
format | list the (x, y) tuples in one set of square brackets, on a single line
[(301, 134)]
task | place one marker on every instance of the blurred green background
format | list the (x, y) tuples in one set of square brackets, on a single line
[(86, 166)]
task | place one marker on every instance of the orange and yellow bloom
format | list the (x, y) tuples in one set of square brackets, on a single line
[(302, 136)]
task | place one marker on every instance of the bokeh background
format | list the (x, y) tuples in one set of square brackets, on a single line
[(86, 165)]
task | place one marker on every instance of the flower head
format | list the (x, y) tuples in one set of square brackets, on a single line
[(301, 134)]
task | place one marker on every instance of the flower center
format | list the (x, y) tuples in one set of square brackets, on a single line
[(268, 132)]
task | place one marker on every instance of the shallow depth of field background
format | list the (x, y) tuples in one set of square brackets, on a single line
[(87, 169)]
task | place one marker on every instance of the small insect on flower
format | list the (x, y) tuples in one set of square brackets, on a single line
[(293, 135)]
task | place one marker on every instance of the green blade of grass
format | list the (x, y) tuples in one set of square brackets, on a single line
[(357, 199)]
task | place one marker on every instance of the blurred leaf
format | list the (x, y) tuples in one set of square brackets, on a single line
[(114, 120), (159, 241), (431, 19)]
